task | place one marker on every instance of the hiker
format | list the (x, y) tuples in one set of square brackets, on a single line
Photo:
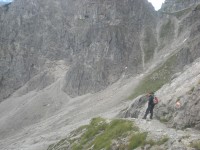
[(151, 105)]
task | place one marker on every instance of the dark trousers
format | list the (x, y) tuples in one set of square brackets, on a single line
[(149, 109)]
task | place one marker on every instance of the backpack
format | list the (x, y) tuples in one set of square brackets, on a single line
[(155, 100)]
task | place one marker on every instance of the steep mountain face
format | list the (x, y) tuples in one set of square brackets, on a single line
[(109, 43), (177, 5), (53, 51), (98, 41), (183, 89), (178, 31)]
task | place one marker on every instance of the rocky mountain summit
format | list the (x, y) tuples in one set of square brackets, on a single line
[(64, 62)]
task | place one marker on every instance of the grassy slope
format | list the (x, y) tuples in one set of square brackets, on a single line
[(99, 134), (156, 79)]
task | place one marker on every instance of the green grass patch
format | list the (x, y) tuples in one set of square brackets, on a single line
[(76, 146), (99, 134), (137, 140), (97, 126), (51, 147), (195, 144), (114, 130), (156, 79), (79, 130)]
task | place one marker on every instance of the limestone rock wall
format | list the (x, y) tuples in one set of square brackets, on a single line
[(112, 43), (98, 39), (176, 5)]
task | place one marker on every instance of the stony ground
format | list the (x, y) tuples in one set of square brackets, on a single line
[(62, 115), (37, 119), (34, 121), (179, 139)]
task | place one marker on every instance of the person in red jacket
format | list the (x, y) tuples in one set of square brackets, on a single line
[(151, 105)]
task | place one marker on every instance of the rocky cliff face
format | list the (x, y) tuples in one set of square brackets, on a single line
[(178, 31), (177, 5), (183, 89), (53, 49), (98, 41), (110, 30)]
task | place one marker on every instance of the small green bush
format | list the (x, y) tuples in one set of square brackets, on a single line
[(76, 147)]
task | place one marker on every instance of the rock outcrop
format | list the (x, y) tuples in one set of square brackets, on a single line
[(183, 89)]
